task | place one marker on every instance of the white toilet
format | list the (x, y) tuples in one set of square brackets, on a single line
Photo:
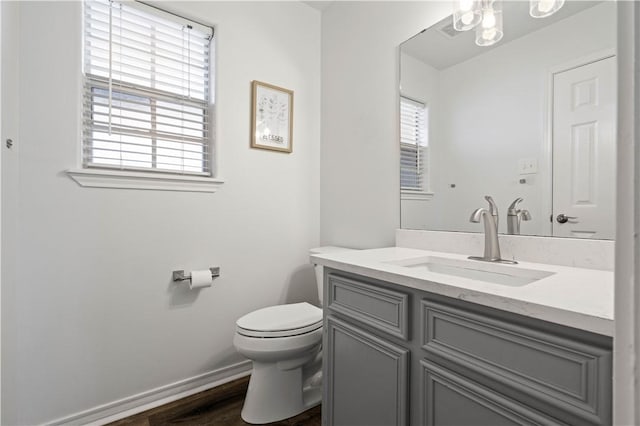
[(284, 343)]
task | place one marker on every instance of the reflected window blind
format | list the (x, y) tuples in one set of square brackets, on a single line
[(146, 90), (413, 145)]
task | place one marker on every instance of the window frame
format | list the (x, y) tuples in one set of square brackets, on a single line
[(146, 178), (424, 193)]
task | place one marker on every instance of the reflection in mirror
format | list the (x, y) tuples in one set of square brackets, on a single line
[(531, 117)]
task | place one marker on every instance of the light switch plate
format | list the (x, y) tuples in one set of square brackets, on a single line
[(527, 166)]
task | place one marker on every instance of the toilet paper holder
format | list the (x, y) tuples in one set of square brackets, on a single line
[(180, 276)]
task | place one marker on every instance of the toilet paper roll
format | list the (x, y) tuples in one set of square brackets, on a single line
[(200, 279)]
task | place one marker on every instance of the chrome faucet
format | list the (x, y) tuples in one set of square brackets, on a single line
[(491, 243), (515, 216)]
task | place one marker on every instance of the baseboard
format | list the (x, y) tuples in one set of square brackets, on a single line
[(135, 404)]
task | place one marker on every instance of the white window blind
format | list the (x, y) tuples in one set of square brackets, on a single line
[(146, 90), (413, 145)]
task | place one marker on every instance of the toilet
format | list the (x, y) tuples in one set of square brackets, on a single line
[(284, 343)]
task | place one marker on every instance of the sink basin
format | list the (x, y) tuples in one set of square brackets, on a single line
[(494, 273)]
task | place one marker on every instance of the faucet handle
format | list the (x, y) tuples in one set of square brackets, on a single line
[(493, 208), (514, 205), (476, 215)]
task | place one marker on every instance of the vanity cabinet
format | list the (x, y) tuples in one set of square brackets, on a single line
[(399, 356)]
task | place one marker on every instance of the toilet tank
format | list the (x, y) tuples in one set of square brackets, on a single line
[(319, 270)]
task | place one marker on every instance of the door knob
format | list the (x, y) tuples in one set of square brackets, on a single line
[(563, 218)]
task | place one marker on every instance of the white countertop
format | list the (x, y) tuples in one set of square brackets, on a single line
[(575, 297)]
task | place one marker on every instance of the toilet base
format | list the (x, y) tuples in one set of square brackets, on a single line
[(275, 395)]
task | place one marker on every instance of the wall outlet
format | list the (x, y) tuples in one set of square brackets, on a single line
[(527, 166)]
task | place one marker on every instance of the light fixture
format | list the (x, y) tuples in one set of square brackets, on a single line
[(489, 31), (466, 14), (486, 17), (544, 8)]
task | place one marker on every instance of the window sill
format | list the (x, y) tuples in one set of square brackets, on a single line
[(416, 195), (100, 178)]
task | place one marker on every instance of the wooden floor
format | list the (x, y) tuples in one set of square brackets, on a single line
[(218, 406)]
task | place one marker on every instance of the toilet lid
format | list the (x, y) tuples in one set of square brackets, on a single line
[(281, 320)]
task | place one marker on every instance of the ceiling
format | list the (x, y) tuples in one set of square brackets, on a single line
[(319, 5), (435, 47)]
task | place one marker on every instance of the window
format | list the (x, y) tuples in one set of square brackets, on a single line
[(146, 90), (413, 146)]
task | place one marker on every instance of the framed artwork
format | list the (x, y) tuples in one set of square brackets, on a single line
[(271, 117)]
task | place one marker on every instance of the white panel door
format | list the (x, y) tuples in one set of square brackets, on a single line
[(584, 151)]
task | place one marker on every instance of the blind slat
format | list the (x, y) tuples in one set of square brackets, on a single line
[(98, 35), (163, 143), (132, 154), (142, 116), (137, 132), (139, 52), (162, 118), (127, 89), (141, 13), (193, 110), (134, 58), (117, 166), (192, 90)]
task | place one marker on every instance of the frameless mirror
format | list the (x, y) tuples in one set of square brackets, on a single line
[(529, 120)]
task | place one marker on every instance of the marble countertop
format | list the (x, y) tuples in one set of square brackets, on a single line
[(575, 297)]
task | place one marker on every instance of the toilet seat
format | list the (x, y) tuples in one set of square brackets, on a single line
[(280, 321), (283, 333)]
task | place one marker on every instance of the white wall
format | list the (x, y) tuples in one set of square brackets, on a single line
[(493, 113), (360, 197), (10, 104), (92, 316)]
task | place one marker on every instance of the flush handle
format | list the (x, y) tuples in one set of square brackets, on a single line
[(563, 218)]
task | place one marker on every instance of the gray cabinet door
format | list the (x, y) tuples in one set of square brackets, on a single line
[(453, 400), (366, 378)]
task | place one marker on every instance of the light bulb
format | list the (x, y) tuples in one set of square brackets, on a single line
[(466, 14), (545, 6), (488, 19), (489, 34), (490, 30), (467, 18)]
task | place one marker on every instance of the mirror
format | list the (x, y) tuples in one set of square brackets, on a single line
[(532, 117)]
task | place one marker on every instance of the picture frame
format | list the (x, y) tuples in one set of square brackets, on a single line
[(271, 117)]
